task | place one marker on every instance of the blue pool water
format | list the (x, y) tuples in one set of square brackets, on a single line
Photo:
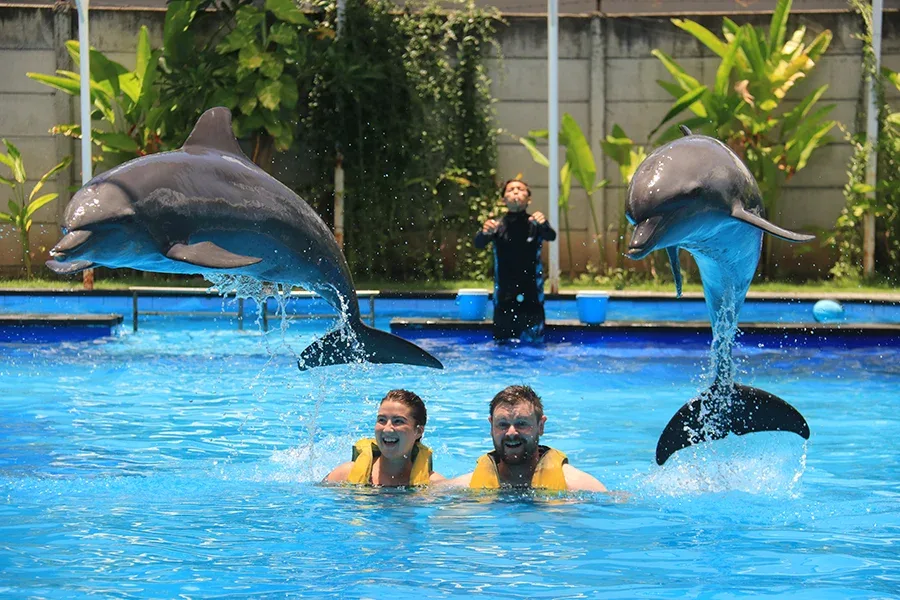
[(184, 460)]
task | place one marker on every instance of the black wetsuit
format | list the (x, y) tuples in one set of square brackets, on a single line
[(518, 276)]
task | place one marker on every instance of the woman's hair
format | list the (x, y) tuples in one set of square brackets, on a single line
[(509, 181), (412, 400)]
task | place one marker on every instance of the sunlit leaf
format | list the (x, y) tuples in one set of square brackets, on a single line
[(681, 104), (287, 11), (38, 203), (704, 35), (536, 154), (778, 25)]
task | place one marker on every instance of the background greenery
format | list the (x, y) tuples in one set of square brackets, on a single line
[(401, 96)]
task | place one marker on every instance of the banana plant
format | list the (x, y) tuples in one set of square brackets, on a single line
[(127, 101), (22, 209), (744, 107), (579, 164)]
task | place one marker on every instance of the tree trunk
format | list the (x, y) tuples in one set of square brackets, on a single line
[(263, 151)]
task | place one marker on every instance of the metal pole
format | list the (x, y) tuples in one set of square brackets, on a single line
[(84, 44), (339, 200), (553, 130), (872, 139), (134, 311)]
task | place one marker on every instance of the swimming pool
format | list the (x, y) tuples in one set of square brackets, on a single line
[(183, 462)]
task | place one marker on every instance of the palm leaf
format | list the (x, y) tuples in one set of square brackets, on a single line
[(62, 165), (536, 154), (778, 26), (682, 103), (704, 35), (37, 203)]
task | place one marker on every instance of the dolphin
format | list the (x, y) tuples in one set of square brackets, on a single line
[(695, 193), (207, 209)]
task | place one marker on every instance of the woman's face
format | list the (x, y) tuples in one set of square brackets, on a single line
[(395, 430)]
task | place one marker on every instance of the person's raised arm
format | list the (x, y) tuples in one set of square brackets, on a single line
[(486, 233)]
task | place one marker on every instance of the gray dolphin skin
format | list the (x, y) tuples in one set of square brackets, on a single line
[(207, 209), (695, 193)]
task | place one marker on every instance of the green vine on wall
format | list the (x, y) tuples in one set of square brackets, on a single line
[(884, 199), (403, 96)]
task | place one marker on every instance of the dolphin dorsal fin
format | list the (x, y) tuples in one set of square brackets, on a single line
[(213, 130), (684, 130)]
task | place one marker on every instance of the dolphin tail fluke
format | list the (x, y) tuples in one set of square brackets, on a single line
[(718, 412), (372, 345)]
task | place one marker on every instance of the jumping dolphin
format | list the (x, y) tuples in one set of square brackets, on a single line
[(695, 193), (207, 209)]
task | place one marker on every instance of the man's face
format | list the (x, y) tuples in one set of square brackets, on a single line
[(516, 431), (516, 197)]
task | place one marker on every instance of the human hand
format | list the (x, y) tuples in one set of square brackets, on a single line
[(490, 226), (538, 217)]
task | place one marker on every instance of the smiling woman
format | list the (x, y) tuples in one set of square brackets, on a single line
[(396, 455)]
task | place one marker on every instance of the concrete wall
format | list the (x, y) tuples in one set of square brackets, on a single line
[(607, 77)]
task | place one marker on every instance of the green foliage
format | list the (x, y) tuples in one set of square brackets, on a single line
[(628, 156), (21, 208), (882, 200), (404, 98), (126, 101), (580, 165), (745, 105), (265, 48), (247, 56)]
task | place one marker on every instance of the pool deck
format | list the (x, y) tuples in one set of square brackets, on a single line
[(671, 332), (32, 328), (42, 315)]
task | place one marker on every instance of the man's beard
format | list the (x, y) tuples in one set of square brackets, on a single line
[(516, 456)]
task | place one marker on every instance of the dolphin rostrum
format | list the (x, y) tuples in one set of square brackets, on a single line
[(695, 193), (207, 209)]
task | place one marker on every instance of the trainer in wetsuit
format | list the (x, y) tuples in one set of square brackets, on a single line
[(518, 272)]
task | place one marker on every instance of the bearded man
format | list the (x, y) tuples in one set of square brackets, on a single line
[(518, 460)]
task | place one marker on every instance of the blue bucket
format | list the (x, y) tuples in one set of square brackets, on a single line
[(592, 306), (472, 304)]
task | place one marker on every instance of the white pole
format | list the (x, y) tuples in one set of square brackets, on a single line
[(87, 276), (85, 97), (553, 130), (872, 139)]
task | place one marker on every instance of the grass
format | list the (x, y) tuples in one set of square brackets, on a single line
[(566, 285)]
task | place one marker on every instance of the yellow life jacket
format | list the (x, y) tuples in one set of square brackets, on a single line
[(365, 451), (547, 476)]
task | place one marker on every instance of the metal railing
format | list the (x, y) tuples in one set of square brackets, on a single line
[(136, 292)]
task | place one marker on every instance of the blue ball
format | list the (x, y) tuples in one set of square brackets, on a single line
[(826, 311)]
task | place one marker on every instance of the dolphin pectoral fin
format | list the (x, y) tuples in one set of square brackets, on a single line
[(207, 254), (744, 410), (675, 263), (747, 217), (68, 268), (372, 345)]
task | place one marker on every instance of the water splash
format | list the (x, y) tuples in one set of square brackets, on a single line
[(767, 463)]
